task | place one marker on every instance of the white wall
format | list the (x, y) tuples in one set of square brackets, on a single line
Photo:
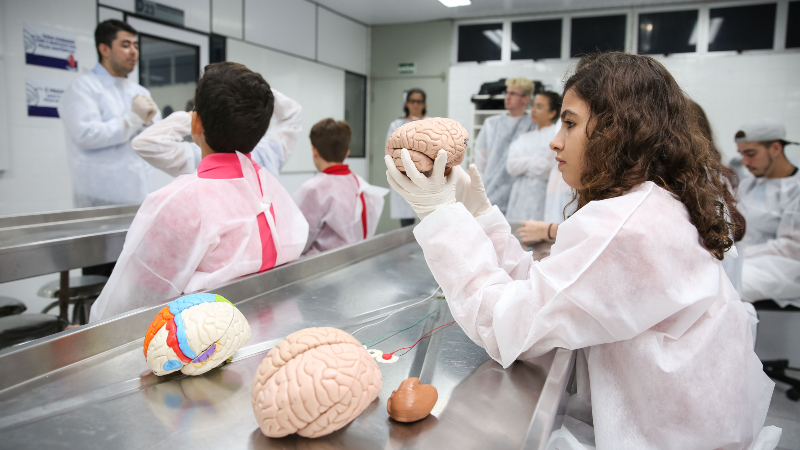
[(196, 13), (37, 177), (732, 88), (342, 42)]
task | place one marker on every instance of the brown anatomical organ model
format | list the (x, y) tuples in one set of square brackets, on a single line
[(411, 401), (424, 138)]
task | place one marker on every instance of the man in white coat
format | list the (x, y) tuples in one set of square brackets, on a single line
[(102, 111), (770, 202)]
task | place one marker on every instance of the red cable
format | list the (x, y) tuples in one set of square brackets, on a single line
[(389, 355)]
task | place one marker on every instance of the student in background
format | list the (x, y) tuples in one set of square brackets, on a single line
[(414, 109), (228, 219), (341, 208), (530, 160)]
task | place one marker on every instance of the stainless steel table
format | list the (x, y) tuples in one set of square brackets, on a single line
[(91, 388), (38, 244)]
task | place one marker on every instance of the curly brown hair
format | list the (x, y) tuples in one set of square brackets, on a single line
[(642, 129)]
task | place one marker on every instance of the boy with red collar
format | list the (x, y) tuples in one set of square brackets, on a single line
[(341, 208), (230, 218)]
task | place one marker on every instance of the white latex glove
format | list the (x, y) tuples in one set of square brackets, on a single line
[(144, 107), (470, 191), (422, 193)]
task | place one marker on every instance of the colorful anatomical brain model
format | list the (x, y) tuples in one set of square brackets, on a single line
[(194, 334), (313, 383), (424, 138)]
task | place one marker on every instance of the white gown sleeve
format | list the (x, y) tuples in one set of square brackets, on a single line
[(528, 157), (600, 288), (313, 210), (82, 120), (163, 147), (481, 150), (276, 147), (787, 241)]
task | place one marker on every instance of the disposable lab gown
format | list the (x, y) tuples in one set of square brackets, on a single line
[(530, 161), (398, 206), (341, 208), (99, 125), (166, 150), (667, 346), (771, 245), (196, 233), (559, 195), (491, 153)]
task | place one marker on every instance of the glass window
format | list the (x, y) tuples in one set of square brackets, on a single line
[(537, 39), (169, 70), (668, 32), (604, 33), (355, 112), (741, 28), (793, 26), (480, 42)]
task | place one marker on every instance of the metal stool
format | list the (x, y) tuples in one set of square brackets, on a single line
[(82, 292), (776, 369), (21, 328), (11, 306)]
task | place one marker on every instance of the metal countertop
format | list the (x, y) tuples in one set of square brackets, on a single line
[(91, 387), (38, 244)]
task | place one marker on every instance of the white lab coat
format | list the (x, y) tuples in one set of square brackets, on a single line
[(771, 245), (332, 206), (530, 161), (398, 206), (559, 195), (669, 362), (175, 157), (99, 126), (491, 152), (196, 233)]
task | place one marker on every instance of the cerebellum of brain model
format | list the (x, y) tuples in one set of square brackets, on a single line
[(313, 383), (424, 138), (194, 334)]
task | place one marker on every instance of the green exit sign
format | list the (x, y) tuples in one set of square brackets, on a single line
[(407, 68)]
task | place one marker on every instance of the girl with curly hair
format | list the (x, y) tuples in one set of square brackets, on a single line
[(634, 281)]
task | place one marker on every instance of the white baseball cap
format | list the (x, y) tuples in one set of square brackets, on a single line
[(762, 129)]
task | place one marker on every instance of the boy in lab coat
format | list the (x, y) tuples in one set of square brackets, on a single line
[(228, 219), (341, 207)]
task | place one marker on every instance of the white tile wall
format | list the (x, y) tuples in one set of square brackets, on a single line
[(732, 88), (196, 13), (227, 17), (104, 14), (286, 25), (341, 42)]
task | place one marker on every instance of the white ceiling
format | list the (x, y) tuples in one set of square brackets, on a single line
[(375, 12)]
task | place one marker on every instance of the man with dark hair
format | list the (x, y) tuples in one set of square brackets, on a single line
[(227, 219), (341, 208), (770, 203), (102, 111)]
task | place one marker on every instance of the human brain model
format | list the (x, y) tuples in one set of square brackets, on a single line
[(313, 383), (424, 138), (194, 334)]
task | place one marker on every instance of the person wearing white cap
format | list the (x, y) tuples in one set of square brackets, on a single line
[(770, 202)]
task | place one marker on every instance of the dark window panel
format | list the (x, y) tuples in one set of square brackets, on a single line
[(668, 32), (479, 42), (160, 72), (793, 26), (355, 112), (186, 69), (604, 33), (741, 28), (536, 39)]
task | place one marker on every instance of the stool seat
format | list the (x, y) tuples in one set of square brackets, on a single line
[(769, 305), (79, 287), (10, 306), (21, 328)]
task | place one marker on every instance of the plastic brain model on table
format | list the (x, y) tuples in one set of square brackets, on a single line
[(194, 334), (424, 138), (313, 383)]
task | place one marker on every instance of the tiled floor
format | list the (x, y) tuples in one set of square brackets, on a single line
[(785, 413)]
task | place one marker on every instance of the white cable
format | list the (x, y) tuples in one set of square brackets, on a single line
[(401, 309)]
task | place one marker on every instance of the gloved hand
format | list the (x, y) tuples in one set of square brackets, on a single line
[(422, 193), (470, 191), (144, 107)]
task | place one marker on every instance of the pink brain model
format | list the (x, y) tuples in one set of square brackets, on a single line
[(313, 383), (424, 138)]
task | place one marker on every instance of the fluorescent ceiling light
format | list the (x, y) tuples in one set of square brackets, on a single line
[(713, 28), (454, 3), (495, 36)]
